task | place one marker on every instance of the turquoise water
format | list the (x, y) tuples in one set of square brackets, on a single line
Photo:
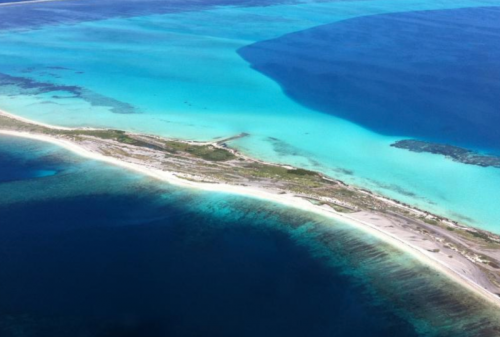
[(179, 74), (94, 250)]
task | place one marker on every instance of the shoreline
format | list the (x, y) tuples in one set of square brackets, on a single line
[(423, 255), (27, 2)]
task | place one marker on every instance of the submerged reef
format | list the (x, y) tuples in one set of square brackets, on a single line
[(15, 85), (455, 153)]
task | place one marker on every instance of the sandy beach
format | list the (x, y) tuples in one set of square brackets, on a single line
[(388, 230), (27, 2), (360, 221)]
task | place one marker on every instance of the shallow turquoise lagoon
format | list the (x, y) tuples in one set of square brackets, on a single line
[(179, 75)]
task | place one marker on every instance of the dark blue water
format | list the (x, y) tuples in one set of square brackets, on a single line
[(432, 75), (27, 16), (25, 162), (126, 256), (73, 262), (135, 265)]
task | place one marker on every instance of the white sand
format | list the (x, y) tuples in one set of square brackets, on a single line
[(27, 2), (29, 121), (286, 199)]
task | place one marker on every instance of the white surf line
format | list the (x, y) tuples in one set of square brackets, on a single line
[(49, 126), (288, 200), (27, 2)]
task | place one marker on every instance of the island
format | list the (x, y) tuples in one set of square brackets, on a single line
[(470, 256)]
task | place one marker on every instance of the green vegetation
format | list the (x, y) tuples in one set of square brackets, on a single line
[(174, 147), (431, 222), (117, 135), (340, 209), (302, 172), (278, 172), (210, 153), (207, 152), (268, 171), (481, 235)]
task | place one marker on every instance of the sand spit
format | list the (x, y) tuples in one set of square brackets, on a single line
[(437, 247), (27, 2)]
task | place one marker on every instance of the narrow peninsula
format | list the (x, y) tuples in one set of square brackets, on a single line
[(468, 255)]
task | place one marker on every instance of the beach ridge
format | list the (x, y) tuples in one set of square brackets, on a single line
[(411, 233)]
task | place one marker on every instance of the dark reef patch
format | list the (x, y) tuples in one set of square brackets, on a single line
[(455, 153), (15, 85), (283, 148), (397, 189), (58, 68), (430, 74), (344, 171)]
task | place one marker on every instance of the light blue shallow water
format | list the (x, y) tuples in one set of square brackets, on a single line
[(179, 75)]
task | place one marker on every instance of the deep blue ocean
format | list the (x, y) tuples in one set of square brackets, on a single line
[(431, 75), (91, 250)]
